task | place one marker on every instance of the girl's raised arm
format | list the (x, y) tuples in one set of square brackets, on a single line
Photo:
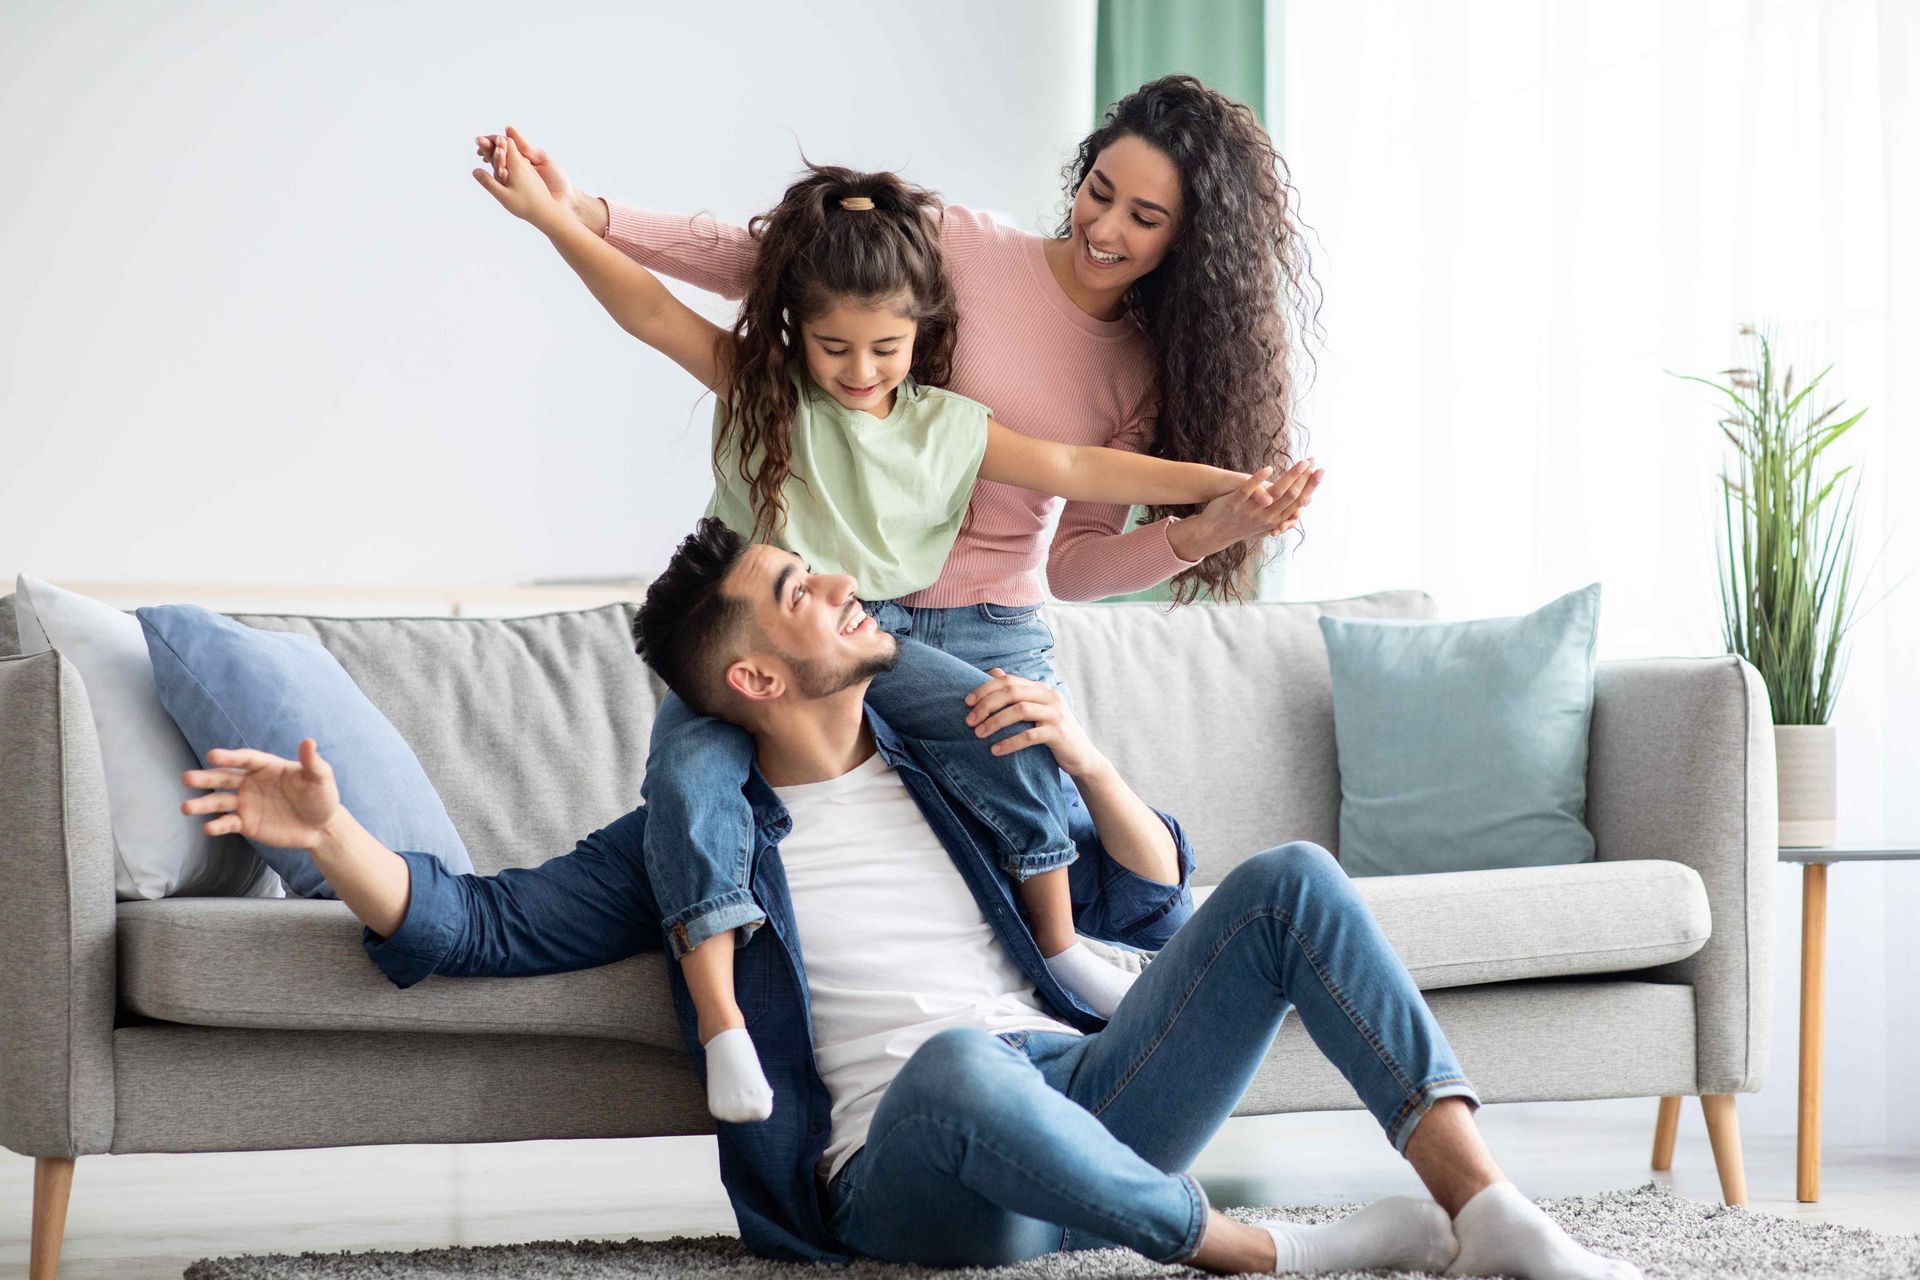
[(632, 295), (698, 249), (1091, 473)]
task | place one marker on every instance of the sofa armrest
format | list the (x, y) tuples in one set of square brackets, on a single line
[(57, 977), (1680, 766)]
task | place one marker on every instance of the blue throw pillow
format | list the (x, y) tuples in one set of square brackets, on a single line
[(230, 685), (1463, 745)]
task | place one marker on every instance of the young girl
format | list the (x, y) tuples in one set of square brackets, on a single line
[(833, 439)]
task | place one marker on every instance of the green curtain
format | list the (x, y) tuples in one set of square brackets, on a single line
[(1223, 42)]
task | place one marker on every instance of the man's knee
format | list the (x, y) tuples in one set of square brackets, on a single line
[(960, 1065), (1285, 873)]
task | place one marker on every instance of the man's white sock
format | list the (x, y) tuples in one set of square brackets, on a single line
[(1100, 984), (737, 1089), (1399, 1233), (1502, 1233)]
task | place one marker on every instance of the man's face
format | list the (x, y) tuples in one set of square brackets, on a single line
[(815, 640)]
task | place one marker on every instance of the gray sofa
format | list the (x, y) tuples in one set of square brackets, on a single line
[(242, 1024)]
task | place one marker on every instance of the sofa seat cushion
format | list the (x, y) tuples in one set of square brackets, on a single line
[(1464, 928), (297, 964)]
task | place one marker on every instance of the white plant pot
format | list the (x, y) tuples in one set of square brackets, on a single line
[(1805, 754)]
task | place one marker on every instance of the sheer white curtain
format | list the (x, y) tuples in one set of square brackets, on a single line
[(1526, 212)]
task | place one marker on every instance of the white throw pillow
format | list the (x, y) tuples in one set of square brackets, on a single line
[(163, 853)]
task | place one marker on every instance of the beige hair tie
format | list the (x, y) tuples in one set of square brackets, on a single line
[(856, 203)]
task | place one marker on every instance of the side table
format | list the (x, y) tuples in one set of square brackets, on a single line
[(1813, 962)]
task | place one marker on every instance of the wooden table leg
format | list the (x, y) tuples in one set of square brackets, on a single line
[(1813, 964)]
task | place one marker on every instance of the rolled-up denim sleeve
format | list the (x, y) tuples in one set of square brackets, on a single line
[(1115, 904), (585, 908)]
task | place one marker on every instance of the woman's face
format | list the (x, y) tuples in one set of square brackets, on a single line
[(1126, 215), (858, 353)]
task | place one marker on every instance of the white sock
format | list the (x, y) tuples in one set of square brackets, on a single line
[(1399, 1233), (1502, 1233), (737, 1090), (1100, 984)]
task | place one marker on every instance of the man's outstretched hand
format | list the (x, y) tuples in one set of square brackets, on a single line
[(264, 797)]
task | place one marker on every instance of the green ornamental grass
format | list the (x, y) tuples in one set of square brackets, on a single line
[(1787, 560)]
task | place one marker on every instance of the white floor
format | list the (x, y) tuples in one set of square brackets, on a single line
[(149, 1216)]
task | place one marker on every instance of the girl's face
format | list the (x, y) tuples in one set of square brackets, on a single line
[(1126, 215), (859, 352)]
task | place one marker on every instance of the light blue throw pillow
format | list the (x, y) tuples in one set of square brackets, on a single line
[(230, 685), (1463, 745)]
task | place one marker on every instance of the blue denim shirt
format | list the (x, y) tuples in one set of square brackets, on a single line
[(593, 906)]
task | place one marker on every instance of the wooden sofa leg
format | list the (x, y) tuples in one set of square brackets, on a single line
[(1664, 1130), (1723, 1130), (52, 1180)]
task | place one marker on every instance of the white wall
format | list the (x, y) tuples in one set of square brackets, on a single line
[(258, 324)]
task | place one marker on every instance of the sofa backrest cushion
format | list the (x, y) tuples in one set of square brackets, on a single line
[(532, 730), (1222, 715)]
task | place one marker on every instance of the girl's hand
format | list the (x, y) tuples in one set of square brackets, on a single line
[(492, 148), (1260, 508), (522, 193), (264, 797), (1006, 699)]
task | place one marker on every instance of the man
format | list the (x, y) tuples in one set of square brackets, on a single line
[(939, 1097)]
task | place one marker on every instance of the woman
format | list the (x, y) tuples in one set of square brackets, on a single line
[(1162, 317)]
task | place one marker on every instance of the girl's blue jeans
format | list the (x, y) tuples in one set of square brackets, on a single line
[(989, 1149), (700, 828)]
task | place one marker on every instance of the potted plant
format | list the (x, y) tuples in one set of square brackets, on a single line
[(1787, 572)]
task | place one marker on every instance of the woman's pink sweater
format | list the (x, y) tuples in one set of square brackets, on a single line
[(1026, 351)]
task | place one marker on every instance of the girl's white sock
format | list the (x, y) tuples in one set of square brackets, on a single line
[(1100, 984), (737, 1089), (1399, 1233), (1502, 1233)]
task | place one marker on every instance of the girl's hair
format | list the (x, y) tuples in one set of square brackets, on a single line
[(1227, 305), (812, 255)]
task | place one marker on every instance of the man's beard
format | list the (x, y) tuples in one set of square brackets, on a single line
[(815, 678)]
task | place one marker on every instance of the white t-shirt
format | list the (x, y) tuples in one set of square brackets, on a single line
[(896, 949)]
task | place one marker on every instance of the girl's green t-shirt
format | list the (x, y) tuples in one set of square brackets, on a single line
[(882, 498)]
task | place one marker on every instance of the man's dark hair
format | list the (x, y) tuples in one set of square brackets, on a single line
[(687, 627)]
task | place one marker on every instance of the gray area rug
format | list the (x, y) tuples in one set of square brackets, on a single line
[(1668, 1236)]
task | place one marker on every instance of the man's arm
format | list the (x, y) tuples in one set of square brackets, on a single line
[(369, 877), (589, 907), (1129, 829)]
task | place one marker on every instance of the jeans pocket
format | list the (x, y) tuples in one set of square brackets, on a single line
[(1008, 615)]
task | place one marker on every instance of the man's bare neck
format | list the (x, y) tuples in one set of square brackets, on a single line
[(814, 741)]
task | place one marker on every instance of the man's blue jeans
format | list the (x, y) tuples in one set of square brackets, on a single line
[(989, 1149), (700, 828)]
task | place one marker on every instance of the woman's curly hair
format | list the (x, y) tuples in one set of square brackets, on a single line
[(812, 255), (1227, 306)]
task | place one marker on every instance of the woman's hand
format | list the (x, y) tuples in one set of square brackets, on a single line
[(522, 191), (264, 797), (1257, 509), (492, 148), (1006, 699)]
